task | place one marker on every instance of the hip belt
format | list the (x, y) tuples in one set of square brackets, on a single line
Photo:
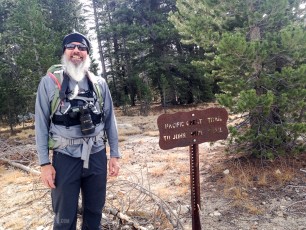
[(87, 143)]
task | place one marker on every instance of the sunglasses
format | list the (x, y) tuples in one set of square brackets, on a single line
[(81, 47)]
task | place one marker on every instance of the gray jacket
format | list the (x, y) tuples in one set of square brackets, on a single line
[(44, 128)]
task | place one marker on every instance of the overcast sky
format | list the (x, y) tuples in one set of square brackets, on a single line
[(92, 35)]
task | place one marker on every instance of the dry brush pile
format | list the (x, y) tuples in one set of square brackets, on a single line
[(130, 204)]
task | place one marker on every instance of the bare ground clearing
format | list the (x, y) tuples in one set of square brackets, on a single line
[(236, 193)]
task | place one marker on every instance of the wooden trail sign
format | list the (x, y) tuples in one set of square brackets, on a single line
[(195, 127), (190, 129)]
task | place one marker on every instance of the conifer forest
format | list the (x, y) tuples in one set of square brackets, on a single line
[(248, 56)]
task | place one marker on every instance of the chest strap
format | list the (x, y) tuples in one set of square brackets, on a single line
[(66, 120)]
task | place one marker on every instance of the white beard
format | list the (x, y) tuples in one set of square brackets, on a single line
[(76, 72)]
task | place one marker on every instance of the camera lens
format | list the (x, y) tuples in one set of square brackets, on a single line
[(87, 126)]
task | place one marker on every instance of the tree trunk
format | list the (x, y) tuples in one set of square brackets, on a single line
[(101, 53)]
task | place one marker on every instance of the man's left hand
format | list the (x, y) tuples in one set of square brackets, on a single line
[(114, 166)]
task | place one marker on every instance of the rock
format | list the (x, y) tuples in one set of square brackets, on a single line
[(216, 213), (279, 213), (177, 182), (104, 217), (278, 172), (28, 218), (111, 196), (150, 227), (40, 228), (226, 172), (287, 198)]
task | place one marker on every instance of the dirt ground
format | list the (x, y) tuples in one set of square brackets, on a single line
[(153, 188)]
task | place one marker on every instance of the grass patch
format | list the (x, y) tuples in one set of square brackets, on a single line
[(151, 133), (249, 173), (246, 175), (157, 172), (185, 180)]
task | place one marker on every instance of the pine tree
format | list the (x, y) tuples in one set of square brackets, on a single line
[(257, 50), (10, 95), (140, 46), (31, 32)]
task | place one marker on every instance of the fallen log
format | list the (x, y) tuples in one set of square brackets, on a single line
[(21, 166)]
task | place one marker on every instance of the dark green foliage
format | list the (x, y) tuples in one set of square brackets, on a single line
[(257, 54), (11, 96), (140, 43), (31, 32), (142, 57)]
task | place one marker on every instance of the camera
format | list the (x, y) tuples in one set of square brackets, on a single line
[(82, 113), (87, 126)]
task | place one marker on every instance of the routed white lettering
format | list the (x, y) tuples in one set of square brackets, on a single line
[(214, 119), (179, 136), (174, 125)]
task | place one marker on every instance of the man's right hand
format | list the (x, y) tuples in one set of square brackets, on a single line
[(48, 175)]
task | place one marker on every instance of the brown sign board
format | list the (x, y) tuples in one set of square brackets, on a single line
[(194, 127)]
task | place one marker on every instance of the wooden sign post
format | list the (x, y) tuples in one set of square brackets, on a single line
[(190, 129)]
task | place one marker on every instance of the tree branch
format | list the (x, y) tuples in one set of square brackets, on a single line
[(21, 166)]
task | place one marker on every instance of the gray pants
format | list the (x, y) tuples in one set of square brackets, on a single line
[(70, 179)]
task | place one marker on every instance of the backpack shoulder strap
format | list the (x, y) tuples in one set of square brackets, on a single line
[(98, 92), (97, 89), (56, 73)]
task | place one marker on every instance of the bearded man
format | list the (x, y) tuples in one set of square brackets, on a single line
[(75, 133)]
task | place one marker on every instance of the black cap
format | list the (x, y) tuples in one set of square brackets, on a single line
[(75, 37)]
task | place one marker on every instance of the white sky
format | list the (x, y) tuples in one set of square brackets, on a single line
[(92, 36)]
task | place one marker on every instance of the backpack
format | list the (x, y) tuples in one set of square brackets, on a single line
[(56, 73)]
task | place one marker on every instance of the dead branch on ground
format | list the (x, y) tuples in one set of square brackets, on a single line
[(147, 205), (137, 206), (126, 218), (21, 151), (21, 166)]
